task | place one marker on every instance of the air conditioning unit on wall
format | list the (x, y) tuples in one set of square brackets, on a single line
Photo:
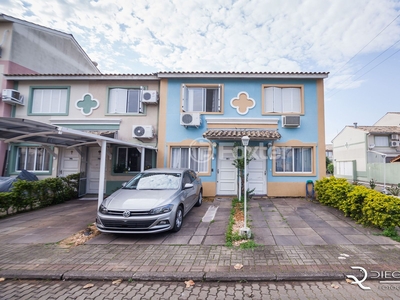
[(291, 121), (394, 144), (142, 131), (149, 97), (190, 119), (12, 97)]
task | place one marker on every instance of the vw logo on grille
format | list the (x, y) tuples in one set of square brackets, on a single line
[(126, 213)]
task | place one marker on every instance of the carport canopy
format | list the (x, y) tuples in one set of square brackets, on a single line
[(18, 130)]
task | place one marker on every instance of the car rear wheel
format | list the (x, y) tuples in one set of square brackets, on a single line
[(178, 220), (200, 199)]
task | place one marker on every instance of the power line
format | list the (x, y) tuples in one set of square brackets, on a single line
[(365, 46), (376, 57), (366, 72)]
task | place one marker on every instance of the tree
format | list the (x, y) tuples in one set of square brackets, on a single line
[(238, 162)]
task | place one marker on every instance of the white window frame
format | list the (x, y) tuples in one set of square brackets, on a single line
[(195, 158), (44, 156), (191, 104), (52, 101), (120, 99), (283, 154), (282, 99)]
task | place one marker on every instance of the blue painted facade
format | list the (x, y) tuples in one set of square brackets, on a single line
[(308, 132)]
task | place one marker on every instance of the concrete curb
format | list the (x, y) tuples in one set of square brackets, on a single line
[(32, 274), (96, 275), (170, 276)]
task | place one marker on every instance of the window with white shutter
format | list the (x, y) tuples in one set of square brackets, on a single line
[(205, 99), (49, 101), (282, 99), (125, 101)]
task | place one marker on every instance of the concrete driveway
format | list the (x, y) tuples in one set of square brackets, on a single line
[(280, 221)]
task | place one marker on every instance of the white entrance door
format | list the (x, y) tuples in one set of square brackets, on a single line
[(69, 162), (257, 170), (226, 173), (93, 173)]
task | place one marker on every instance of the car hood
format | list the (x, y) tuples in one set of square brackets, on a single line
[(139, 199)]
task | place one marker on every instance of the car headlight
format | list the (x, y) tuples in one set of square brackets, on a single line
[(103, 209), (161, 209)]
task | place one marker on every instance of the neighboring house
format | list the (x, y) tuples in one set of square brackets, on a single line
[(203, 114), (123, 108), (389, 119), (31, 49), (362, 153)]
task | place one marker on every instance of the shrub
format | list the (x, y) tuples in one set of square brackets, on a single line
[(24, 195), (332, 191), (6, 200), (352, 205), (366, 206), (381, 210), (32, 194)]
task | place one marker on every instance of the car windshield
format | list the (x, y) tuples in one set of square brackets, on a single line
[(155, 181)]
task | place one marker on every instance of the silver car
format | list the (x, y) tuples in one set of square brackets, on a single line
[(155, 200)]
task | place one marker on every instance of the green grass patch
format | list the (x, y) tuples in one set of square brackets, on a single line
[(232, 236), (391, 233)]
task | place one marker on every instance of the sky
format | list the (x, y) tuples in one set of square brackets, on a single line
[(356, 41)]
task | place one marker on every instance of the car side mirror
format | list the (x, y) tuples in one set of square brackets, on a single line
[(188, 186)]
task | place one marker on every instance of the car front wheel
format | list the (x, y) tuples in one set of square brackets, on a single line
[(200, 199), (178, 220)]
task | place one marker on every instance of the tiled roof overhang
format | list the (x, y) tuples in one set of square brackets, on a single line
[(161, 75), (379, 129), (97, 77), (202, 74), (237, 134)]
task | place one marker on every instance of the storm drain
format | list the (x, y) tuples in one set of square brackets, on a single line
[(210, 214)]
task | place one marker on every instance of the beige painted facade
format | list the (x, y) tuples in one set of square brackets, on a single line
[(99, 91), (77, 120), (286, 189)]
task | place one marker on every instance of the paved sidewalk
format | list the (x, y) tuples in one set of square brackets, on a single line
[(300, 241)]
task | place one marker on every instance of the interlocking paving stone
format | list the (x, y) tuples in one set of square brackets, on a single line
[(165, 253)]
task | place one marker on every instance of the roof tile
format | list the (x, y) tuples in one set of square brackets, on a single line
[(236, 134)]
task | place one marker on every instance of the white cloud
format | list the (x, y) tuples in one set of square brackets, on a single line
[(220, 35)]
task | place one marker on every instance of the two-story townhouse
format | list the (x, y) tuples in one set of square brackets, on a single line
[(121, 109), (362, 153), (31, 49), (204, 115)]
